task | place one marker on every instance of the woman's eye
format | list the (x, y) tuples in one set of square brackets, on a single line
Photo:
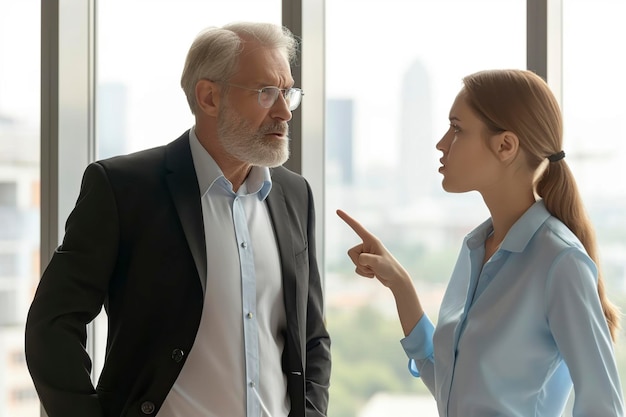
[(455, 128)]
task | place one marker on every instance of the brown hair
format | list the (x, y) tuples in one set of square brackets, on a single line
[(521, 102)]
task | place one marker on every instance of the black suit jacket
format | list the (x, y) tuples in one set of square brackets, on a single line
[(135, 243)]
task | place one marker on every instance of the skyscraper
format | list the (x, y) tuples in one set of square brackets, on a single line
[(339, 137), (416, 140)]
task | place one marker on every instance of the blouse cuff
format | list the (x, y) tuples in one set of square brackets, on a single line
[(418, 345)]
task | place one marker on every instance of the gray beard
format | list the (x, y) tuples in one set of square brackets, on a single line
[(247, 144)]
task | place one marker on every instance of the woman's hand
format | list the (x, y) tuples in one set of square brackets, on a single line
[(372, 259)]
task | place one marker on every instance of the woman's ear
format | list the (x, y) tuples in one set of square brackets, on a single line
[(208, 97), (505, 146)]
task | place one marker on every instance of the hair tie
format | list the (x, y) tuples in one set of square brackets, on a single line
[(556, 156)]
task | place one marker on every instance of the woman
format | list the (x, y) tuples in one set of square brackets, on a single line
[(525, 316)]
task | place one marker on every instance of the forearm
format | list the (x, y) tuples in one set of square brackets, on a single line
[(318, 355), (58, 361), (408, 305), (69, 296), (318, 378)]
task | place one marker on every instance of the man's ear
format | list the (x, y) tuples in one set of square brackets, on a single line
[(505, 146), (208, 97)]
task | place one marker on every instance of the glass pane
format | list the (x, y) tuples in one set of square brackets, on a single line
[(19, 196), (595, 141), (392, 75), (141, 50), (140, 61)]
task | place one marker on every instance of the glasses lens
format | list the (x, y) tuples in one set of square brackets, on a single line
[(293, 97), (268, 96)]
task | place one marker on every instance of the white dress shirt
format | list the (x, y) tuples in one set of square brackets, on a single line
[(234, 368)]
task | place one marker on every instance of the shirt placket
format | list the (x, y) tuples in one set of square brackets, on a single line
[(475, 262), (248, 285)]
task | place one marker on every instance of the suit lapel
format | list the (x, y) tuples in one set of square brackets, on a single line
[(280, 219), (183, 185)]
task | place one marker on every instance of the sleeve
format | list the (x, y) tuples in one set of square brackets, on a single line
[(418, 346), (318, 358), (582, 335), (69, 296)]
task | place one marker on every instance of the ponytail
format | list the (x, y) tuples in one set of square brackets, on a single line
[(560, 194)]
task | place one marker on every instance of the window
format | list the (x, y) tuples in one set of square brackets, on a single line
[(19, 208), (140, 101), (392, 75)]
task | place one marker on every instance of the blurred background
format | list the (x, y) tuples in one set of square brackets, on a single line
[(379, 78)]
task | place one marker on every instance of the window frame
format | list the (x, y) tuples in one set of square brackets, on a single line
[(68, 56)]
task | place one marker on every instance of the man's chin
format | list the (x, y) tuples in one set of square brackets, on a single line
[(266, 159), (276, 162), (276, 159)]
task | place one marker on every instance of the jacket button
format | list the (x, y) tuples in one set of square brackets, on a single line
[(177, 355), (147, 407)]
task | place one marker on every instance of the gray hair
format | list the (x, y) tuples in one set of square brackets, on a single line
[(214, 53)]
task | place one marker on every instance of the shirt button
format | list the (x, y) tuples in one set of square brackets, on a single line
[(244, 244), (249, 315), (177, 355), (147, 407)]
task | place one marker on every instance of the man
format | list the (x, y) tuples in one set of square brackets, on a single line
[(203, 255)]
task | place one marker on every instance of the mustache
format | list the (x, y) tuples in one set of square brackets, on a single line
[(278, 127)]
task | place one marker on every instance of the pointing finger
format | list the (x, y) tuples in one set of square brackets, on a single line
[(361, 231)]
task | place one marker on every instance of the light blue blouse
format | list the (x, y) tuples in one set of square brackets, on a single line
[(514, 335)]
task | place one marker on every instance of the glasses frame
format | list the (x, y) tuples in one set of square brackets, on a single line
[(281, 91)]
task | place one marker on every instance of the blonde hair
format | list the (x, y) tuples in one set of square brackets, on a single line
[(521, 102), (214, 53)]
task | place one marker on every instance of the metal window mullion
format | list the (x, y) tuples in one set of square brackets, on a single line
[(544, 41), (292, 19), (537, 37), (49, 128), (306, 19)]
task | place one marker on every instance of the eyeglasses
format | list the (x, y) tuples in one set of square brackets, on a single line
[(269, 95)]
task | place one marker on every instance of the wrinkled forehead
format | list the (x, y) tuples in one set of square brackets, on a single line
[(258, 63)]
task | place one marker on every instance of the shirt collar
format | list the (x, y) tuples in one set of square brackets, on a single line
[(520, 233), (258, 181)]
